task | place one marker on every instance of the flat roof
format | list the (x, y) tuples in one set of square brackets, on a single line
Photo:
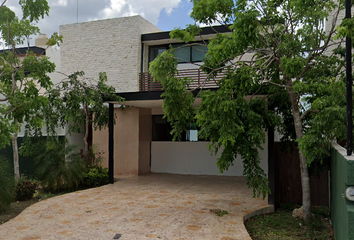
[(24, 50), (166, 35)]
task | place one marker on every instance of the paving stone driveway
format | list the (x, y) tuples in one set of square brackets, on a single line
[(152, 206)]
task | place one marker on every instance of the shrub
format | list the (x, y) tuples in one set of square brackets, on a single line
[(25, 189), (95, 176), (92, 157), (58, 165), (7, 184)]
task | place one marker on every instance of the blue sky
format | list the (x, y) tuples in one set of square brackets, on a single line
[(179, 17), (165, 14)]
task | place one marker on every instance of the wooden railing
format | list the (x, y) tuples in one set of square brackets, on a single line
[(147, 84)]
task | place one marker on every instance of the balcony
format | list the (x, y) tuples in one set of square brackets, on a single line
[(147, 84)]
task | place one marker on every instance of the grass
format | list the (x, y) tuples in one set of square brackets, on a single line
[(281, 225), (219, 212), (17, 207)]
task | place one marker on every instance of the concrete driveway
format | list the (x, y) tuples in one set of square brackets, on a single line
[(153, 206)]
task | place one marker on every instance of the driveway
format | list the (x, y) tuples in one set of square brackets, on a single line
[(152, 206)]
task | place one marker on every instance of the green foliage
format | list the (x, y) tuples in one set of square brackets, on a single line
[(84, 102), (22, 79), (92, 157), (55, 39), (95, 176), (24, 83), (80, 91), (14, 30), (6, 129), (245, 125), (186, 35), (208, 11), (7, 184), (25, 188), (326, 124), (175, 96), (281, 225), (219, 212), (59, 167), (34, 9), (280, 49)]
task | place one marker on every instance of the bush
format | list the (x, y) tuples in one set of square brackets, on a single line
[(7, 184), (95, 176), (58, 165), (25, 189)]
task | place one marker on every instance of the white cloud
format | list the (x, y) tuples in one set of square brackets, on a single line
[(17, 9), (61, 3), (168, 11), (72, 11), (115, 8), (149, 9)]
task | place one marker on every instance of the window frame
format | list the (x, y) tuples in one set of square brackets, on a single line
[(168, 46)]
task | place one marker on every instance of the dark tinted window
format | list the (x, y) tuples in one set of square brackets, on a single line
[(161, 129), (184, 54), (155, 51)]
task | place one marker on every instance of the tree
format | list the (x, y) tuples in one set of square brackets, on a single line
[(84, 103), (23, 79), (280, 48)]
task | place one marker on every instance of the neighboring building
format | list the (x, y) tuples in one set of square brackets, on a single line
[(123, 48), (53, 53)]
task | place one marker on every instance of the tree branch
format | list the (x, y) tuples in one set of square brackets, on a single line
[(3, 3), (10, 111), (307, 113)]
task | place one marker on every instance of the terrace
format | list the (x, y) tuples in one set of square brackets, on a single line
[(147, 84)]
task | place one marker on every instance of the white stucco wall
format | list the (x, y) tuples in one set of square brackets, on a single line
[(194, 158), (54, 56), (76, 139), (112, 46)]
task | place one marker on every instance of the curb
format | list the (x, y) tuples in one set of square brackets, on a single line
[(261, 211)]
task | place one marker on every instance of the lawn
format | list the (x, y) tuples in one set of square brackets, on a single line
[(281, 225)]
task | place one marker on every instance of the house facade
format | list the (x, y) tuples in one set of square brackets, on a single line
[(123, 48)]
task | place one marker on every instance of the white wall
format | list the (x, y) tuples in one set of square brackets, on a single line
[(76, 139), (54, 56), (193, 158)]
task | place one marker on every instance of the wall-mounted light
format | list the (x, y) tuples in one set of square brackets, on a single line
[(349, 193)]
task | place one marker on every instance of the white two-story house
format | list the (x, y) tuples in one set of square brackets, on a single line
[(123, 48)]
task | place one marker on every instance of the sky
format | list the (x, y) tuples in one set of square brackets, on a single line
[(165, 14)]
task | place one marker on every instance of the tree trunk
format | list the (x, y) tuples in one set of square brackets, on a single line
[(305, 179), (87, 122), (15, 157)]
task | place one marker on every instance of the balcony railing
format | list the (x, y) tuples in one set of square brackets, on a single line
[(147, 84)]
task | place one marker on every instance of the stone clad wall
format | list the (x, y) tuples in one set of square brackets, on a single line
[(329, 23), (112, 46)]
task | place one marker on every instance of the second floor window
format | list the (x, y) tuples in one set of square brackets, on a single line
[(155, 51), (184, 54), (190, 53)]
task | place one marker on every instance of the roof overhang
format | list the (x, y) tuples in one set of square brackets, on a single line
[(154, 100), (24, 50), (160, 38)]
